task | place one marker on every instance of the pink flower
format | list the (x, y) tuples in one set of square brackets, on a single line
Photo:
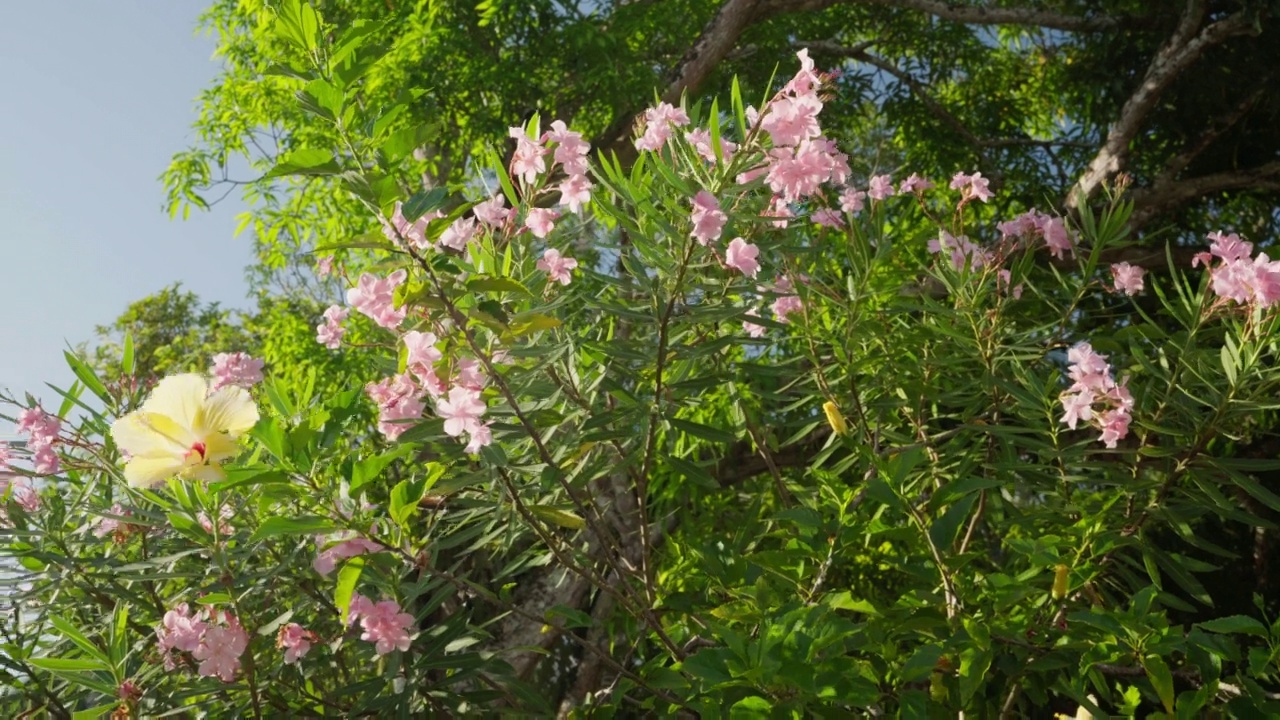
[(793, 120), (220, 650), (914, 184), (324, 266), (235, 369), (459, 233), (330, 332), (806, 80), (541, 221), (481, 436), (527, 162), (470, 374), (398, 399), (557, 267), (493, 212), (700, 139), (1237, 277), (753, 329), (1003, 279), (375, 298), (778, 208), (422, 353), (1035, 223), (461, 411), (1055, 236), (103, 526), (827, 217), (962, 250), (880, 187), (971, 186), (414, 233), (40, 427), (359, 607), (575, 192), (296, 640), (1128, 278), (44, 461), (180, 630), (851, 200), (386, 626), (6, 456), (658, 122), (741, 256), (1093, 386), (796, 173), (224, 527), (708, 219), (327, 560)]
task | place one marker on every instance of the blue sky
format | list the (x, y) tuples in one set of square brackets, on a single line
[(98, 96)]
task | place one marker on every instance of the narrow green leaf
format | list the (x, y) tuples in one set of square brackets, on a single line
[(86, 375), (1161, 678), (556, 516), (491, 283), (305, 161), (345, 588), (304, 525)]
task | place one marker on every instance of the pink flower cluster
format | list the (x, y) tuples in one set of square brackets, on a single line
[(741, 256), (329, 333), (327, 560), (1127, 278), (296, 641), (962, 251), (214, 638), (556, 266), (1095, 397), (1034, 223), (971, 187), (41, 430), (384, 623), (708, 219), (700, 139), (21, 491), (375, 297), (415, 233), (658, 125), (494, 211), (399, 399), (1247, 281), (786, 303), (571, 154), (235, 369)]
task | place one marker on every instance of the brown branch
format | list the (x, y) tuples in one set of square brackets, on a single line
[(1151, 202), (1179, 52), (972, 15)]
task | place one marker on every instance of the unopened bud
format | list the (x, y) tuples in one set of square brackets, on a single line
[(1061, 574), (835, 419)]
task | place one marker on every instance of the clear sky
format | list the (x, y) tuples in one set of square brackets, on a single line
[(98, 94)]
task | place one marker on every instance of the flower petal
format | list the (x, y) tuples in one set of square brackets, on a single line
[(230, 410), (179, 398), (151, 471), (140, 433)]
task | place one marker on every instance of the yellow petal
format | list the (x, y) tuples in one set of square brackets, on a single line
[(150, 471), (207, 473), (218, 447), (179, 398), (231, 410)]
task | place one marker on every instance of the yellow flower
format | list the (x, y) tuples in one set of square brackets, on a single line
[(182, 430), (834, 418)]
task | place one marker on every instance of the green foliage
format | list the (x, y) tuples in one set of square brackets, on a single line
[(691, 504)]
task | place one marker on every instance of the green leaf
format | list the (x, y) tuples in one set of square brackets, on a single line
[(752, 706), (524, 324), (491, 283), (401, 143), (423, 202), (1235, 624), (126, 357), (86, 375), (348, 576), (297, 22), (404, 499), (68, 665), (305, 525), (305, 161), (364, 471), (556, 516), (72, 633), (1161, 679), (706, 432)]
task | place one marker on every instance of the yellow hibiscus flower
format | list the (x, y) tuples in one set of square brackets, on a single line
[(183, 431)]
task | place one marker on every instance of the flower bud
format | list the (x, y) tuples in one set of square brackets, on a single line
[(1060, 576), (835, 419)]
